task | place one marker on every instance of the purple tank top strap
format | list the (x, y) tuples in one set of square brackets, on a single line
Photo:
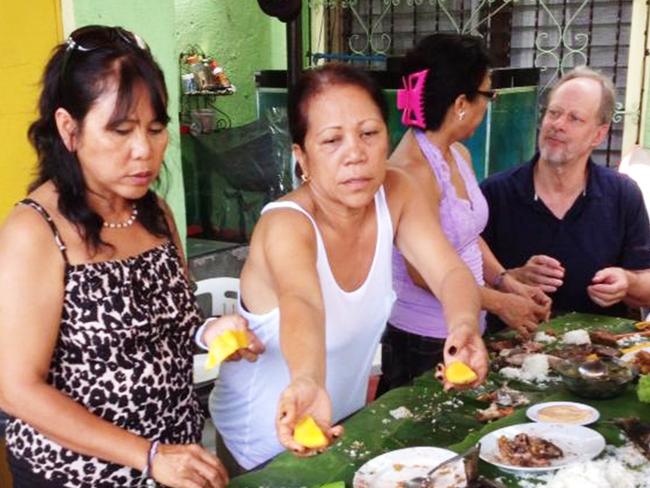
[(435, 159), (464, 169)]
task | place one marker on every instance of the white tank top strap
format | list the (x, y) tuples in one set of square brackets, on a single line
[(383, 244), (287, 204), (380, 201), (383, 212)]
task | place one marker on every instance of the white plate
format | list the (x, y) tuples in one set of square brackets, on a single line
[(579, 444), (387, 470), (533, 412)]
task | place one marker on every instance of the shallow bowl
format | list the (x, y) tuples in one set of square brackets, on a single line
[(613, 383)]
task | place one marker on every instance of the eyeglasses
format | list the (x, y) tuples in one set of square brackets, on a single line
[(92, 37), (489, 94)]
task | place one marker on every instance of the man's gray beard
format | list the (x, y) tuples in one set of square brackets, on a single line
[(556, 160)]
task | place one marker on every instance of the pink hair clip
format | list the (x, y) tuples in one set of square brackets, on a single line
[(410, 99)]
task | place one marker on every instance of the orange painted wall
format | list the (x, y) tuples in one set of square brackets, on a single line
[(28, 32)]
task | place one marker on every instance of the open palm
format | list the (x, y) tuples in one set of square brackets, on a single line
[(301, 398)]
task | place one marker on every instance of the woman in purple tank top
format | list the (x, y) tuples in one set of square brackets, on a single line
[(447, 91)]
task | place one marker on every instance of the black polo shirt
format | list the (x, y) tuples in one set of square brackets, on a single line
[(606, 226)]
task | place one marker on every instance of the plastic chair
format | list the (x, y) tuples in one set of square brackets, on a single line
[(223, 293)]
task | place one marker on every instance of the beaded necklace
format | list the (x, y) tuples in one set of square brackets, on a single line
[(127, 223)]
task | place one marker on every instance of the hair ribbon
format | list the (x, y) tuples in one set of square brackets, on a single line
[(410, 99)]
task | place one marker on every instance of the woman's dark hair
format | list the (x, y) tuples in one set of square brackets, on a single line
[(315, 81), (78, 72), (457, 65)]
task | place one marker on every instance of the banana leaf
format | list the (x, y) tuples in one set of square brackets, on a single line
[(441, 419)]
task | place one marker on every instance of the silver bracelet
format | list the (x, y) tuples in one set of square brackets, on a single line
[(146, 478)]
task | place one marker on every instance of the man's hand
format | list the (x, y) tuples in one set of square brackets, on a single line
[(464, 343), (609, 286), (542, 271), (301, 398), (234, 322)]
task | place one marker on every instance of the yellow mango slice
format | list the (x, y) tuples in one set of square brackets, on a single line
[(459, 373), (636, 347), (224, 345), (308, 433), (642, 325)]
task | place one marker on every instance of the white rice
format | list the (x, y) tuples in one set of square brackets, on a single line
[(534, 369), (401, 413), (544, 338), (579, 336), (619, 467)]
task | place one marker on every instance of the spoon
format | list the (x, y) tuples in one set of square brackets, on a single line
[(593, 369), (470, 460)]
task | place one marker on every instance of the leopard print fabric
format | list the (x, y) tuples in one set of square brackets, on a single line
[(124, 351)]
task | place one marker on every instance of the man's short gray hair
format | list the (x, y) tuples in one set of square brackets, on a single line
[(607, 91)]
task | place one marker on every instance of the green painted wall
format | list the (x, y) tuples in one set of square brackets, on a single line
[(241, 38), (235, 32), (153, 20)]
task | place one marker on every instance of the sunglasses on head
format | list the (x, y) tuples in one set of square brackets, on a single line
[(489, 94), (90, 38)]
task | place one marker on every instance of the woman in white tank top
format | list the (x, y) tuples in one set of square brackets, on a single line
[(316, 288)]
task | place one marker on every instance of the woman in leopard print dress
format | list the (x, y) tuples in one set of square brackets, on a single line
[(96, 315)]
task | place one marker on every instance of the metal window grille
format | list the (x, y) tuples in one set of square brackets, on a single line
[(554, 35)]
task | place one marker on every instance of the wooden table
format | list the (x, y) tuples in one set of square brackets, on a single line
[(440, 419)]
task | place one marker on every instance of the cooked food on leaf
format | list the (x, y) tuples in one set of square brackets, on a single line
[(583, 352), (642, 361), (604, 337), (505, 396), (638, 432), (493, 412), (500, 345), (503, 400)]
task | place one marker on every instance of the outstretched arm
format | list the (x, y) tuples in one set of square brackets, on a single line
[(302, 320), (420, 239)]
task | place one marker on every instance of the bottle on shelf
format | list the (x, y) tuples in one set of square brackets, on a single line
[(220, 78), (200, 71)]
